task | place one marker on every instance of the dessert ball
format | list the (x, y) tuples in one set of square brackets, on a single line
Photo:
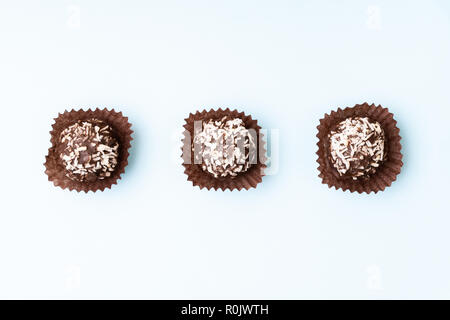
[(224, 147), (88, 150), (357, 147)]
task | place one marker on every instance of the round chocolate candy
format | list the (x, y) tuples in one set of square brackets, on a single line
[(88, 150), (223, 147), (357, 147)]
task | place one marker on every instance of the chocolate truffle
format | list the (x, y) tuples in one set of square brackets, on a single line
[(357, 147), (223, 147), (88, 150)]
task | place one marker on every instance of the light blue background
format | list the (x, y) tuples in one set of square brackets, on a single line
[(284, 62)]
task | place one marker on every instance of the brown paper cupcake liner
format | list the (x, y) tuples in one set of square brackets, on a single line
[(122, 128), (202, 179), (388, 170)]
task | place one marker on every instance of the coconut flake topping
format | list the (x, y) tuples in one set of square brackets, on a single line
[(357, 147), (223, 147), (89, 151)]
